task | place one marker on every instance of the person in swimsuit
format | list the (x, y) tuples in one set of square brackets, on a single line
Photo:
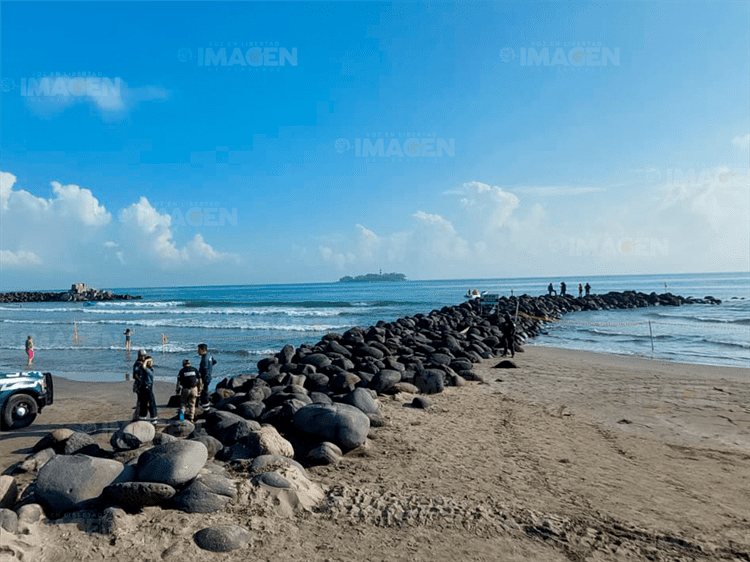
[(29, 351)]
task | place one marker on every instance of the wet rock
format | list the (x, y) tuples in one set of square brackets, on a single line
[(506, 364)]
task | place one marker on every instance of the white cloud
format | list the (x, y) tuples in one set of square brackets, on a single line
[(151, 232), (72, 231), (742, 141), (12, 259), (112, 96)]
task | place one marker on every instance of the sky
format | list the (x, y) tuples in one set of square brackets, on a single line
[(191, 143)]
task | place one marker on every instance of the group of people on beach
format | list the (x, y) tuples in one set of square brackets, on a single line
[(564, 289), (192, 385)]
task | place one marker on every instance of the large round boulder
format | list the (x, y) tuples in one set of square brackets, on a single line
[(71, 482), (172, 463), (342, 424), (384, 380), (133, 435)]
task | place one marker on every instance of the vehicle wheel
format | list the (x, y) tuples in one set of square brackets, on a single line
[(19, 411)]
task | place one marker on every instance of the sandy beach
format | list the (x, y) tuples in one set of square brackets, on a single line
[(571, 456)]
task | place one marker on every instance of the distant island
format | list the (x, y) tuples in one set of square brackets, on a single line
[(371, 277)]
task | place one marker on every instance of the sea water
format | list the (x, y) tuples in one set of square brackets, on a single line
[(241, 324)]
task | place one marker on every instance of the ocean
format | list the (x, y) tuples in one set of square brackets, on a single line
[(241, 324)]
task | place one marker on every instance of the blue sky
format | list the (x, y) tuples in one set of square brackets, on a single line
[(423, 137)]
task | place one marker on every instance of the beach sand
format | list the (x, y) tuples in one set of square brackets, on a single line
[(571, 456)]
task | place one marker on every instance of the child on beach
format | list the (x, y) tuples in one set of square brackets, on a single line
[(29, 351)]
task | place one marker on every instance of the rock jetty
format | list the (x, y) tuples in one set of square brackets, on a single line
[(306, 405), (79, 292)]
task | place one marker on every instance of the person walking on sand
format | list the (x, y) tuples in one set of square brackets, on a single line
[(588, 289), (127, 339), (147, 406), (188, 387), (580, 290), (29, 351), (205, 370), (508, 329)]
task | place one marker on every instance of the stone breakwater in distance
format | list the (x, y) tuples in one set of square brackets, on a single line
[(64, 296)]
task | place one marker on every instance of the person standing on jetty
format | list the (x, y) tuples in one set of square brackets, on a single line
[(562, 288), (551, 290), (580, 290), (188, 387), (205, 370), (29, 351), (146, 399), (127, 339), (588, 289)]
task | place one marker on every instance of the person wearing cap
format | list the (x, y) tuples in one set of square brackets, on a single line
[(188, 387)]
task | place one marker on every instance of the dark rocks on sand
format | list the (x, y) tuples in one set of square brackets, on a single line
[(173, 463), (384, 380), (272, 479), (179, 428), (325, 453), (267, 463), (70, 482), (133, 435), (506, 364), (134, 496), (213, 445), (421, 402), (341, 424), (430, 381), (223, 539), (202, 496), (54, 439), (82, 443), (362, 399)]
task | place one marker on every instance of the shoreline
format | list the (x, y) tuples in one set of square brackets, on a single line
[(498, 453), (544, 376)]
